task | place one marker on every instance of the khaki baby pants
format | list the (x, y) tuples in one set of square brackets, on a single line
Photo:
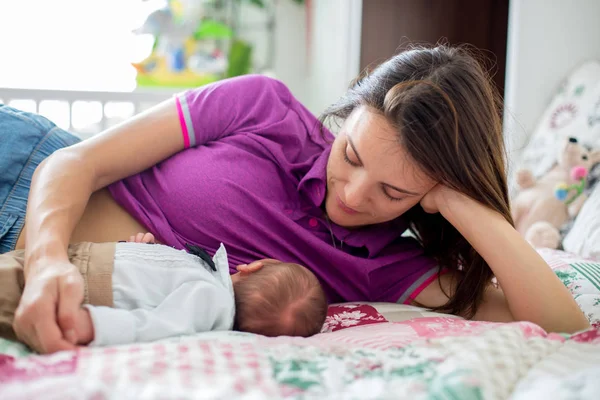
[(95, 261)]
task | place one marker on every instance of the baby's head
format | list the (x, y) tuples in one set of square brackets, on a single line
[(280, 299)]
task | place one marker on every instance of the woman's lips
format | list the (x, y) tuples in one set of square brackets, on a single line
[(344, 207)]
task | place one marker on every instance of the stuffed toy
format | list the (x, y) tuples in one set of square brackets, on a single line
[(544, 205)]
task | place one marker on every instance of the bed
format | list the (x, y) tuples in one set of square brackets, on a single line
[(365, 351)]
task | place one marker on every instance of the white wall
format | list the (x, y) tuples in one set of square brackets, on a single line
[(322, 76), (546, 40), (335, 55), (290, 47)]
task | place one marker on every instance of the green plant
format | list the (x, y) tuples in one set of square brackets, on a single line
[(211, 29), (240, 52)]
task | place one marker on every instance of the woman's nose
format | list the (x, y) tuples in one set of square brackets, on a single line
[(355, 193)]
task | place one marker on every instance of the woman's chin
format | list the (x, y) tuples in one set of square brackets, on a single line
[(334, 215), (341, 218)]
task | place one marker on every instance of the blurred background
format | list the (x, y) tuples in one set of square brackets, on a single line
[(87, 64)]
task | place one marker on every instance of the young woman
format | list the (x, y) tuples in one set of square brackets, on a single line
[(242, 162)]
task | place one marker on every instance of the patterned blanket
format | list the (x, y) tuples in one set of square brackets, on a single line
[(359, 355)]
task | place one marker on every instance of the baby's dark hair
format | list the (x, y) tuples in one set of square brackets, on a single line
[(281, 299)]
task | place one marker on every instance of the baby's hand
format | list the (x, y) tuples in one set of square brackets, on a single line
[(84, 327), (142, 238)]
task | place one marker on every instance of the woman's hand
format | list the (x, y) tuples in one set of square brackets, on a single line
[(46, 317), (537, 295), (429, 201), (438, 197)]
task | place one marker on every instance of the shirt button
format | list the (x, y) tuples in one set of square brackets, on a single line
[(313, 222)]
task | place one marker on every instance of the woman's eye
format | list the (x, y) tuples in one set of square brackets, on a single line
[(392, 198), (348, 160)]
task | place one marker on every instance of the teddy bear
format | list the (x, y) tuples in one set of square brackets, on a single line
[(545, 204)]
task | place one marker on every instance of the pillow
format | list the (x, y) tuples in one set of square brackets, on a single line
[(584, 236), (348, 315), (401, 312), (574, 111), (581, 276)]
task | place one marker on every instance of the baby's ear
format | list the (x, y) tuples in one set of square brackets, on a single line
[(250, 268)]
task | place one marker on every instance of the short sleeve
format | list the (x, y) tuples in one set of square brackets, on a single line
[(242, 104), (404, 271)]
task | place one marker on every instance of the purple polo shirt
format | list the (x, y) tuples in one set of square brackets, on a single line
[(253, 176)]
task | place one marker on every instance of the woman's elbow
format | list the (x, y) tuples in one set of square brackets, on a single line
[(572, 325)]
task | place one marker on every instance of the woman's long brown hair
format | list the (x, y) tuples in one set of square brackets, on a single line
[(447, 115)]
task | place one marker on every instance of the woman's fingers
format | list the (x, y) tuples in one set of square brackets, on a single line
[(50, 338), (46, 303), (70, 297), (36, 326)]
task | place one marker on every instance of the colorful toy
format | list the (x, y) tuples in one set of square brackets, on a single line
[(544, 205), (185, 51), (562, 190)]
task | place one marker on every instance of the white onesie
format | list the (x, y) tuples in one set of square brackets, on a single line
[(160, 292)]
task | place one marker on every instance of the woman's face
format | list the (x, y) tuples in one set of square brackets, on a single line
[(370, 177)]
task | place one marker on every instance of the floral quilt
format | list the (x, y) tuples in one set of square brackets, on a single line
[(359, 355)]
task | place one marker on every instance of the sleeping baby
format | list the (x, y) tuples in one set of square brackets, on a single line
[(139, 292)]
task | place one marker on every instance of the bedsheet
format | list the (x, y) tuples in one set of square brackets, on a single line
[(431, 357), (366, 351)]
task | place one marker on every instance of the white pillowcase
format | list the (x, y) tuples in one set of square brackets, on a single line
[(584, 236), (574, 111)]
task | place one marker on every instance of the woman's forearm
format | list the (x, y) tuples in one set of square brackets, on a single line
[(532, 290), (63, 183), (60, 189)]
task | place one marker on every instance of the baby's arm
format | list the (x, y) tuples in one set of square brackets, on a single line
[(195, 306)]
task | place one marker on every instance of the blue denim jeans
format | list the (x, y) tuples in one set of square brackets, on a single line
[(26, 139)]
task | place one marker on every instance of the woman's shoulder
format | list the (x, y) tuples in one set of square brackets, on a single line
[(250, 88), (243, 103)]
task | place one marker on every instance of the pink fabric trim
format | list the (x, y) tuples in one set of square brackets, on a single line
[(186, 137), (426, 283)]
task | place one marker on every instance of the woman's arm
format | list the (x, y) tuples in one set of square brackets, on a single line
[(60, 190), (530, 289), (63, 184)]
